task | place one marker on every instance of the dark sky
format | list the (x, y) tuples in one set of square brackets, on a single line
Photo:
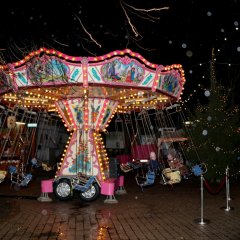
[(185, 33)]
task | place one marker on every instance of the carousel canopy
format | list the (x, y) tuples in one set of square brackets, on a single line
[(45, 77)]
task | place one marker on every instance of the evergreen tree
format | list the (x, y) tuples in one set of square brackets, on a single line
[(215, 134), (215, 130)]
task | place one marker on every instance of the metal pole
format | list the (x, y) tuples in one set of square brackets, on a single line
[(201, 198), (227, 208), (229, 198), (227, 195), (201, 221)]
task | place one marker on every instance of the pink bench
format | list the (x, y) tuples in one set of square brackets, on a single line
[(109, 186), (46, 187)]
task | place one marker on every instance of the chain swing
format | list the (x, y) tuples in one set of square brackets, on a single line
[(142, 131)]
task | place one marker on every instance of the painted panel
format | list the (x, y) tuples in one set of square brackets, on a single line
[(76, 75), (47, 70), (171, 84), (94, 72), (122, 70)]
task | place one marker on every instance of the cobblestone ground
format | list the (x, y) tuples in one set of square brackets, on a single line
[(159, 212)]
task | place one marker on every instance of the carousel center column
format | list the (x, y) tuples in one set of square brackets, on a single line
[(85, 117)]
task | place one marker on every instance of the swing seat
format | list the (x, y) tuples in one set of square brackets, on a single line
[(199, 169), (2, 175), (45, 167), (129, 166), (146, 181), (12, 169), (126, 167), (174, 176), (26, 180)]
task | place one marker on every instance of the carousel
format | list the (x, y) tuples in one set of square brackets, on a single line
[(86, 93)]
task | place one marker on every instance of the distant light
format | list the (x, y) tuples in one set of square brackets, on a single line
[(32, 125), (217, 149), (229, 64), (170, 41), (225, 39), (143, 160), (237, 28), (20, 123), (238, 49), (190, 71), (222, 30)]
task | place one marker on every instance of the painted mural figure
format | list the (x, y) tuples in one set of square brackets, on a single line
[(130, 75), (79, 114), (112, 71)]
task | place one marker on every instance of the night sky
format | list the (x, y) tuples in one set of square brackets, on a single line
[(185, 33)]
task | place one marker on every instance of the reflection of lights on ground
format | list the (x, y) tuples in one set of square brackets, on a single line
[(60, 234), (102, 232)]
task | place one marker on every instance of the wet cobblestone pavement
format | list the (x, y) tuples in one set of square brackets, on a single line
[(160, 212)]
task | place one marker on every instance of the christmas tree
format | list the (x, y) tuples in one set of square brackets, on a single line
[(215, 132)]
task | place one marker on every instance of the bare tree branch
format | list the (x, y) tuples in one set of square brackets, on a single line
[(85, 30)]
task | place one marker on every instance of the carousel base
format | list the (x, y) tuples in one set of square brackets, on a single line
[(121, 191), (111, 199), (44, 198)]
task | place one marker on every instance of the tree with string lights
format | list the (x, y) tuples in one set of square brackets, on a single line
[(215, 132)]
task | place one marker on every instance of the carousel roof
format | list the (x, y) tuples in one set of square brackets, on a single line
[(46, 76)]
